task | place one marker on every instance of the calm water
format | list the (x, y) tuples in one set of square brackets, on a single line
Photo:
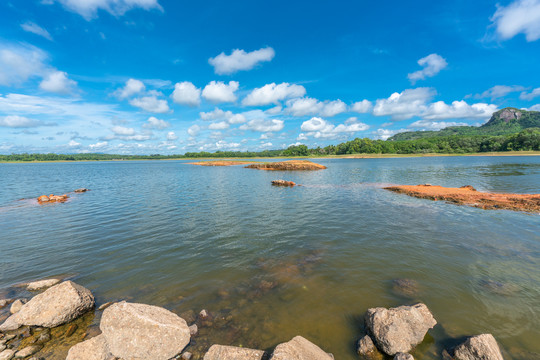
[(271, 263)]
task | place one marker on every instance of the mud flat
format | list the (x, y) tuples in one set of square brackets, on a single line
[(221, 163), (467, 195), (288, 165)]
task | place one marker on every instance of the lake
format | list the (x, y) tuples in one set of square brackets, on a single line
[(271, 263)]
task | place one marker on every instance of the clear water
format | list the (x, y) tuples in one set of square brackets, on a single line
[(271, 263)]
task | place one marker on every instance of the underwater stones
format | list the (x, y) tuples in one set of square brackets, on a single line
[(479, 347), (57, 305), (283, 183), (300, 348), (399, 329), (81, 190), (405, 287), (221, 352), (139, 331), (42, 284), (92, 349), (27, 351), (193, 330), (367, 350)]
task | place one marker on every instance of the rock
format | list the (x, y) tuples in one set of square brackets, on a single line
[(282, 183), (299, 349), (43, 198), (17, 305), (499, 288), (403, 356), (186, 356), (399, 329), (42, 284), (71, 330), (58, 305), (221, 352), (189, 316), (106, 305), (5, 302), (7, 354), (28, 351), (204, 314), (81, 190), (92, 349), (468, 187), (44, 337), (2, 347), (479, 347), (367, 350), (138, 331), (406, 287), (193, 330)]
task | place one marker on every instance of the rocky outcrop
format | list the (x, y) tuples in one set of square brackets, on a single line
[(282, 183), (52, 198), (41, 284), (287, 165), (138, 331), (221, 352), (479, 347), (58, 305), (92, 349), (399, 329), (299, 348)]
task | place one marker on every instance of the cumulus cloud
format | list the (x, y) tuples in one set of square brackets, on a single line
[(530, 95), (88, 9), (132, 87), (434, 125), (219, 92), (194, 130), (432, 65), (73, 143), (18, 63), (499, 91), (155, 123), (272, 94), (171, 136), (310, 106), (384, 134), (98, 145), (151, 104), (221, 125), (263, 125), (534, 108), (362, 107), (57, 82), (15, 121), (185, 93), (519, 17), (458, 110), (218, 114), (404, 105), (36, 29), (320, 128), (240, 60), (123, 131)]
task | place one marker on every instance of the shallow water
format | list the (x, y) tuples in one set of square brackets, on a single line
[(271, 263)]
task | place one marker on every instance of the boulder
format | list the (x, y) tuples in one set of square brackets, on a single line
[(27, 351), (299, 349), (93, 349), (42, 284), (7, 354), (403, 356), (138, 331), (221, 352), (399, 329), (367, 350), (479, 347), (57, 305), (282, 183), (43, 198), (81, 190), (5, 302), (17, 305)]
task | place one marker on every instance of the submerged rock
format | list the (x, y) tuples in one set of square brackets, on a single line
[(139, 331), (282, 183), (58, 305), (499, 288), (406, 287), (300, 348), (81, 190), (367, 350), (479, 347), (28, 351), (221, 352), (403, 356), (399, 329), (42, 284), (93, 349)]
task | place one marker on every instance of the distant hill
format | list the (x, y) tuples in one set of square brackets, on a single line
[(503, 122)]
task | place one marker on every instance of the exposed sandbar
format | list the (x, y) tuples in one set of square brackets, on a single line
[(288, 165)]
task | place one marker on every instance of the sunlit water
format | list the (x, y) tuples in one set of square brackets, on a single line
[(271, 263)]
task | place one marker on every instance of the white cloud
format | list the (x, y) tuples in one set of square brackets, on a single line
[(218, 114), (531, 95), (171, 136), (15, 121), (151, 104), (155, 123), (499, 91), (194, 130), (432, 65), (404, 105), (266, 145), (240, 60), (36, 29), (275, 110), (18, 63), (434, 125), (132, 87), (263, 125), (219, 92), (362, 107), (301, 137), (73, 143), (57, 82), (310, 106), (534, 108), (272, 94), (221, 125), (88, 8), (458, 110), (123, 131), (219, 145), (520, 16), (320, 128), (98, 145), (185, 93), (384, 134)]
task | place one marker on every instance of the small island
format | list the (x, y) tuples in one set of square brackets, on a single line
[(287, 165)]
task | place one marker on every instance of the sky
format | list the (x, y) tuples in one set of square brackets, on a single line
[(170, 76)]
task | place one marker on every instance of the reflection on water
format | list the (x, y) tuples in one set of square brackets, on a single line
[(270, 263)]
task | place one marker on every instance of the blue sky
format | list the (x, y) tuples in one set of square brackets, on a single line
[(164, 76)]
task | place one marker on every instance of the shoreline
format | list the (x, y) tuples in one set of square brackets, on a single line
[(344, 156)]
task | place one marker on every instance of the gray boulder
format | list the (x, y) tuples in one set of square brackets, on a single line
[(479, 347), (399, 329), (93, 349), (17, 305), (138, 331), (299, 349), (221, 352), (403, 356), (42, 284), (58, 305)]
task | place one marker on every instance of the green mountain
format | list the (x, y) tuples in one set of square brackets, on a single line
[(503, 122)]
